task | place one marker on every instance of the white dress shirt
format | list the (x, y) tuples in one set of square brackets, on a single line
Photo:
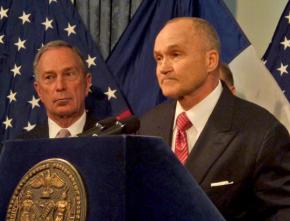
[(198, 116), (76, 128)]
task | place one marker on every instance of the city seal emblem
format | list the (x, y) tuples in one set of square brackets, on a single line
[(52, 190)]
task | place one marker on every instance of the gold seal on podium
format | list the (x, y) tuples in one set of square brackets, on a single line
[(51, 190)]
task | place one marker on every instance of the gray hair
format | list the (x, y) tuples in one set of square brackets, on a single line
[(205, 28), (59, 44)]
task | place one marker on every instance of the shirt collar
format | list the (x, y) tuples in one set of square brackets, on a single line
[(199, 114), (76, 128)]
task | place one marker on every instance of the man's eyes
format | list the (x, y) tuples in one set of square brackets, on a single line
[(70, 73), (49, 77), (67, 75), (175, 54), (158, 58), (172, 54)]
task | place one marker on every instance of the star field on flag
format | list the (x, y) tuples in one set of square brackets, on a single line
[(277, 56), (24, 28)]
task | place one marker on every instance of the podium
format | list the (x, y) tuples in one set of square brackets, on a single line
[(125, 177)]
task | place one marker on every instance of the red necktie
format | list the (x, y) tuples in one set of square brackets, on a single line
[(181, 146), (63, 133)]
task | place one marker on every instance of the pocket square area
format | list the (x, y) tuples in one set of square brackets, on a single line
[(222, 183)]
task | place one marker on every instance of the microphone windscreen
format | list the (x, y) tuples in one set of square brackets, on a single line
[(131, 125), (127, 126), (99, 127), (107, 122)]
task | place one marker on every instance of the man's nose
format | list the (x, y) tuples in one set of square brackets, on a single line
[(60, 83), (165, 66)]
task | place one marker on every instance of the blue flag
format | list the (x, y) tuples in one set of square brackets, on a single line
[(132, 61), (277, 56), (24, 27)]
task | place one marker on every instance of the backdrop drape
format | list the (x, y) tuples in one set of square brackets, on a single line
[(106, 20)]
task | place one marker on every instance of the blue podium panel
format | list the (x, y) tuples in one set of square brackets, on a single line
[(126, 177), (100, 163)]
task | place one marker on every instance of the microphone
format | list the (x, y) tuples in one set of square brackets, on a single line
[(99, 127), (126, 126)]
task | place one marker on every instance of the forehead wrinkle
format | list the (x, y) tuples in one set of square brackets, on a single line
[(50, 70), (170, 47), (178, 36), (181, 44)]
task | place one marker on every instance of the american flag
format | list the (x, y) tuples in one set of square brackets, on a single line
[(24, 27), (277, 56)]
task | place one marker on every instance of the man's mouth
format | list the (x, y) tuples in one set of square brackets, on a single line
[(61, 101), (165, 80)]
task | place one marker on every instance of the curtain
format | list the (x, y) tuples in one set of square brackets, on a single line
[(106, 20)]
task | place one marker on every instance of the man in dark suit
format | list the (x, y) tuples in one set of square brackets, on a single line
[(237, 151), (62, 82)]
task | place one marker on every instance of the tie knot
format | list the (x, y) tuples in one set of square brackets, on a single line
[(182, 122), (63, 133)]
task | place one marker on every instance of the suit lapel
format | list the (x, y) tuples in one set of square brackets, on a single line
[(165, 121), (40, 131), (214, 138), (90, 122)]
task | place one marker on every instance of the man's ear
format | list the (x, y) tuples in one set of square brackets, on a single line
[(36, 88), (88, 82), (212, 60), (233, 89)]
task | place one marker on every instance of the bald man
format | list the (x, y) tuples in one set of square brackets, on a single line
[(237, 151)]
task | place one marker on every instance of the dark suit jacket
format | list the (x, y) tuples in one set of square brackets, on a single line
[(41, 131), (241, 143)]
